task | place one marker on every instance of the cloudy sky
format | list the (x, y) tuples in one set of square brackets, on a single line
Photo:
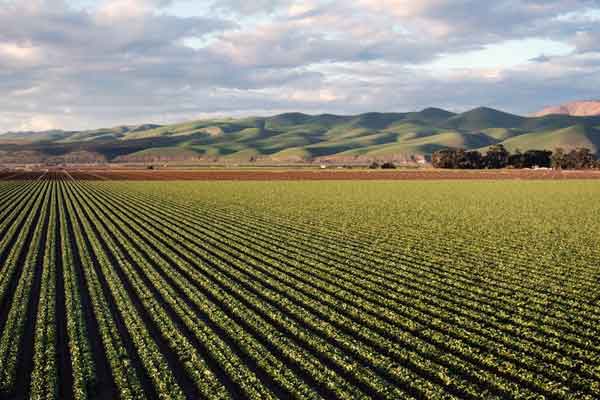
[(78, 64)]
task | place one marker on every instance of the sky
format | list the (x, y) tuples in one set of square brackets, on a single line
[(81, 64)]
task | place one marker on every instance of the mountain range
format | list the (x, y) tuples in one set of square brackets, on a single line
[(293, 137)]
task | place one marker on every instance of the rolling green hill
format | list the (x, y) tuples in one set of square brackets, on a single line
[(483, 118), (301, 137), (567, 138)]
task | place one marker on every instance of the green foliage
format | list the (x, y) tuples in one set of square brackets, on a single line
[(580, 158), (496, 157)]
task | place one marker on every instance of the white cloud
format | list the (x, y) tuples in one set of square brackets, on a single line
[(26, 92), (124, 9), (131, 61), (16, 56), (39, 123)]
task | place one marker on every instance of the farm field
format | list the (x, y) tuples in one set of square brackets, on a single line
[(437, 289)]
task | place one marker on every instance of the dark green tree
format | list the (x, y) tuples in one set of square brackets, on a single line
[(470, 160), (582, 158), (559, 159), (537, 158), (445, 158), (496, 157), (517, 160)]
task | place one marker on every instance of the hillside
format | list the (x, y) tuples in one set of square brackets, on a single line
[(575, 108), (297, 137)]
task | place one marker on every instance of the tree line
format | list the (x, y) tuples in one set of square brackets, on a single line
[(498, 157)]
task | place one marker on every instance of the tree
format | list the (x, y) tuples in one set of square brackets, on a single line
[(445, 158), (469, 159), (582, 158), (537, 158), (517, 160), (457, 159), (530, 159), (559, 159), (496, 157), (388, 165)]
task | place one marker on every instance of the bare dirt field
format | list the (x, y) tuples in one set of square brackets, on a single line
[(258, 175)]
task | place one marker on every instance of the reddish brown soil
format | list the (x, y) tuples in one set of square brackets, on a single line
[(283, 175), (20, 176), (253, 175)]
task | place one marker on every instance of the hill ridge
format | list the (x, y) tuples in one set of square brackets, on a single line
[(297, 136), (581, 108)]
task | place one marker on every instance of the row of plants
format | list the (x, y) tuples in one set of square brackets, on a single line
[(161, 229), (80, 352), (321, 243), (24, 271), (123, 371), (238, 278), (147, 350), (252, 348), (194, 364), (44, 378), (414, 269), (520, 264), (451, 271), (246, 233)]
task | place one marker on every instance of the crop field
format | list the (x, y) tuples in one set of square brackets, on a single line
[(432, 289)]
